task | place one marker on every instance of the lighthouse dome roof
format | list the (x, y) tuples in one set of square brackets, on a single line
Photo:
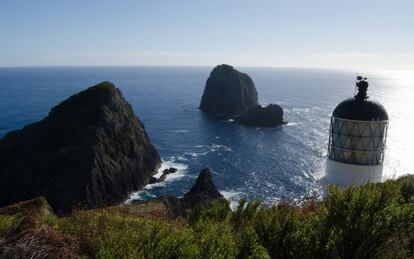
[(361, 109)]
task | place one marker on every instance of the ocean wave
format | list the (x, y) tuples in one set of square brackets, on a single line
[(145, 193), (208, 149), (196, 154), (233, 197), (171, 162), (180, 131), (290, 124), (215, 147)]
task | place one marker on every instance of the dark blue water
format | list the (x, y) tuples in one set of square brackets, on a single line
[(265, 163)]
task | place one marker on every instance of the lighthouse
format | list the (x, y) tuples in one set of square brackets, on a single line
[(357, 139)]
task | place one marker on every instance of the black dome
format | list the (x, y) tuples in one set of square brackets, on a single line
[(361, 110)]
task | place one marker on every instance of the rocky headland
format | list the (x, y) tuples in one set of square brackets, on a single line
[(90, 150), (231, 94)]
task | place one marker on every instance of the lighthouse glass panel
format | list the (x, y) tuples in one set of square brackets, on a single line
[(357, 142)]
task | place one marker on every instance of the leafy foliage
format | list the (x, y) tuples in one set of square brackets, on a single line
[(371, 221)]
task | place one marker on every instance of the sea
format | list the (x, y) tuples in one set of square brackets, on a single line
[(269, 164)]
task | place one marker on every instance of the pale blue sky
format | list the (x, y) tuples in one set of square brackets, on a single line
[(292, 33)]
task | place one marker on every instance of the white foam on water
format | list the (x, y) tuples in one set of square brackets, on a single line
[(195, 154), (171, 162), (215, 147), (139, 195), (181, 158), (166, 163), (290, 124), (181, 131), (233, 197)]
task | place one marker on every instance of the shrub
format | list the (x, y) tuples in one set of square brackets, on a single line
[(8, 224), (359, 222), (104, 234), (370, 221)]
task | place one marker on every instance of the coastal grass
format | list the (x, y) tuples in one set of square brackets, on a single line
[(375, 220)]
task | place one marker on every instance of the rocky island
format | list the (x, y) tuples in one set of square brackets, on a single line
[(269, 116), (90, 150), (228, 92), (231, 94)]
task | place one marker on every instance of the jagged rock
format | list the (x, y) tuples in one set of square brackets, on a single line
[(269, 116), (153, 180), (203, 191), (91, 149), (228, 92), (164, 175), (162, 178), (170, 170)]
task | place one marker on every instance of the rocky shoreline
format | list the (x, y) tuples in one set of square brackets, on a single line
[(92, 151)]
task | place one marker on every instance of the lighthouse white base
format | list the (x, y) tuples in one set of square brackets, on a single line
[(349, 174)]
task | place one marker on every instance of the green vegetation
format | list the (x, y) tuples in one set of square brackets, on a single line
[(371, 221)]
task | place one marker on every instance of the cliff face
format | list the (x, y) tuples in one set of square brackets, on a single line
[(269, 116), (90, 149), (228, 92)]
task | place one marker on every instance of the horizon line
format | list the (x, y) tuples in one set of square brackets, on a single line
[(199, 66)]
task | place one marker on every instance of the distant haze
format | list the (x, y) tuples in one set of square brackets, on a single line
[(323, 33)]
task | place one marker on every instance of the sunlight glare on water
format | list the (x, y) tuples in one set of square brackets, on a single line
[(397, 95)]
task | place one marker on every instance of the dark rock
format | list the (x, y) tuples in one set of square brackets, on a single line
[(170, 170), (91, 149), (228, 92), (162, 178), (152, 180), (203, 191), (164, 175), (269, 116)]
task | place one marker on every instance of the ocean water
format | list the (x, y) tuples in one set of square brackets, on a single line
[(248, 162)]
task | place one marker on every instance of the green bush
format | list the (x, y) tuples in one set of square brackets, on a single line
[(358, 222), (371, 221), (106, 234), (8, 224)]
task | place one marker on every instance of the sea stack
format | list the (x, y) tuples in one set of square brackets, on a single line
[(90, 150), (231, 94), (228, 92)]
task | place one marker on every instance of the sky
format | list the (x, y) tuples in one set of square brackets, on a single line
[(345, 34)]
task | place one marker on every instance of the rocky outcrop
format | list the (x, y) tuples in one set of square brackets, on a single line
[(269, 116), (164, 175), (91, 150), (203, 192), (231, 94), (228, 92)]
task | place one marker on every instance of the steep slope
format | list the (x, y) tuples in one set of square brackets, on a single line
[(91, 149)]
